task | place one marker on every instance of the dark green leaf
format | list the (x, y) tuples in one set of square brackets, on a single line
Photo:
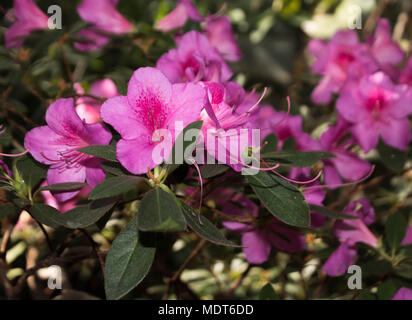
[(299, 159), (271, 141), (376, 268), (212, 170), (206, 230), (267, 293), (330, 213), (114, 168), (159, 211), (395, 229), (114, 186), (45, 214), (67, 186), (282, 199), (187, 146), (387, 290), (31, 171), (86, 215), (127, 263), (394, 159), (107, 152), (7, 209)]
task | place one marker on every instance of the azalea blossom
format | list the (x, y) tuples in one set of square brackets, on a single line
[(346, 164), (259, 238), (88, 108), (105, 20), (387, 53), (340, 59), (220, 35), (194, 59), (403, 294), (57, 143), (177, 18), (349, 232), (152, 103), (28, 18), (377, 108)]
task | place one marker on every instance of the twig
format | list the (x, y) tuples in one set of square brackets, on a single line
[(177, 274), (95, 249)]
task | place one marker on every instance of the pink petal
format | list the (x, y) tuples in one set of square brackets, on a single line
[(119, 114), (62, 118), (136, 155), (396, 133), (403, 294), (59, 175), (43, 144), (340, 260), (256, 247), (145, 81)]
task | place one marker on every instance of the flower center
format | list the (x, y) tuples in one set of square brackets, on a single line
[(343, 59), (152, 112), (375, 105)]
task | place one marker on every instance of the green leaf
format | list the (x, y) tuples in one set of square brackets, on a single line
[(114, 186), (127, 262), (299, 159), (268, 293), (114, 168), (7, 209), (67, 186), (271, 141), (212, 170), (86, 215), (206, 230), (31, 171), (387, 290), (45, 214), (188, 146), (159, 211), (395, 229), (107, 152), (330, 213), (282, 199), (394, 159), (375, 268)]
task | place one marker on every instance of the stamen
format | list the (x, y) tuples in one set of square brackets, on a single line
[(14, 155), (343, 184), (287, 113)]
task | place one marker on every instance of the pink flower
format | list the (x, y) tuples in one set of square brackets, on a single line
[(349, 232), (377, 108), (339, 59), (403, 294), (88, 108), (152, 103), (386, 52), (220, 35), (346, 164), (406, 74), (258, 239), (106, 20), (56, 145), (224, 123), (67, 205), (29, 18), (177, 18), (194, 59)]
